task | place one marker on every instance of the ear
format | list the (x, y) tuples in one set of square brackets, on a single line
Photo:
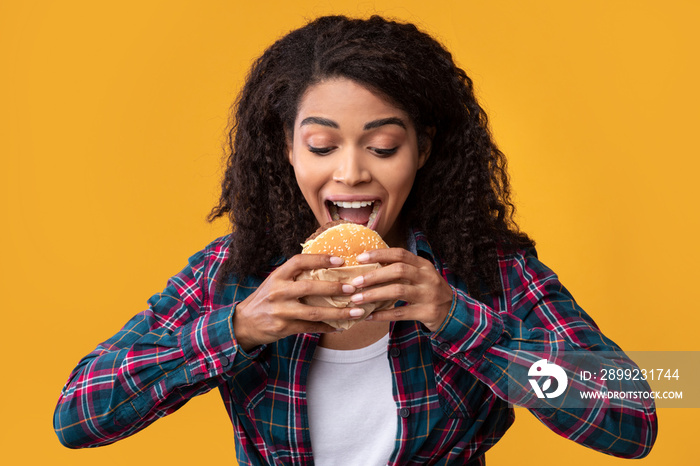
[(425, 145)]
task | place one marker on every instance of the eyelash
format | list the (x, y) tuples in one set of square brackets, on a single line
[(376, 150), (385, 152), (320, 150)]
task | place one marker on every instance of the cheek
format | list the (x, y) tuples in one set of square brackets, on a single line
[(400, 182), (305, 181), (308, 176)]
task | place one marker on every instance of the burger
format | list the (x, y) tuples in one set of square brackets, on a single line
[(347, 240)]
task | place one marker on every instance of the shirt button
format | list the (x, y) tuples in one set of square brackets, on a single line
[(404, 412), (394, 352), (224, 361), (445, 347)]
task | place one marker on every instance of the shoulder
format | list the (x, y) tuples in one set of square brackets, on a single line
[(516, 256), (213, 253), (524, 275), (218, 250), (205, 263), (523, 261)]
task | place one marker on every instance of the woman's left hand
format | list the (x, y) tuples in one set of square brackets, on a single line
[(408, 278)]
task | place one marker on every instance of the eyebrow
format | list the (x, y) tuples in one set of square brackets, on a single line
[(385, 121), (369, 125), (319, 121)]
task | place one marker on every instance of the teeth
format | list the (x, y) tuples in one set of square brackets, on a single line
[(372, 216), (353, 204)]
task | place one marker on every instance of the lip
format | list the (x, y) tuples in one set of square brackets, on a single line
[(359, 198)]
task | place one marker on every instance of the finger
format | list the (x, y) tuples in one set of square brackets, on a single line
[(432, 319), (320, 313), (407, 312), (399, 271), (390, 255), (301, 288), (391, 292), (301, 262)]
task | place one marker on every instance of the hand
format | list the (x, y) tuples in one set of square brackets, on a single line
[(408, 278), (273, 310)]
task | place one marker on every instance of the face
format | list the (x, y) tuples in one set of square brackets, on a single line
[(355, 156)]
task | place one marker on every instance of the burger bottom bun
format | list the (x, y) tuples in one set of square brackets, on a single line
[(342, 275)]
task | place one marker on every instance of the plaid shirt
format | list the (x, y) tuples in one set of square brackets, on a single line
[(450, 386)]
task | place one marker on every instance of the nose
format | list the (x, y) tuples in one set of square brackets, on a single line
[(351, 170)]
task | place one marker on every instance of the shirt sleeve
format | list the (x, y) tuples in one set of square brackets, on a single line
[(536, 317), (176, 349)]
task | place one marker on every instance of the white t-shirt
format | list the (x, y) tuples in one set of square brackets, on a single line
[(352, 412)]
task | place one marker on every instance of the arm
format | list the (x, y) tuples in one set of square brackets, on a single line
[(538, 316), (162, 357), (184, 345), (534, 318)]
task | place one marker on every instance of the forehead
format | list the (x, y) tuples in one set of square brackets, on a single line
[(344, 98)]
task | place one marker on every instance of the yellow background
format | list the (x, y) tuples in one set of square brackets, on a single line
[(112, 121)]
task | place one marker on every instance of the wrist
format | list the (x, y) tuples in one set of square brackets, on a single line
[(242, 338), (446, 301)]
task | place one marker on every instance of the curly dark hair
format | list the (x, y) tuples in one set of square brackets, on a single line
[(461, 196)]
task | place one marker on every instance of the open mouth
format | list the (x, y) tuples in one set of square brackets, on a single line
[(360, 212)]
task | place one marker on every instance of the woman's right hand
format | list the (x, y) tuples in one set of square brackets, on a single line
[(274, 311)]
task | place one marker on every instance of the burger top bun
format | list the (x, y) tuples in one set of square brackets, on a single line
[(343, 239)]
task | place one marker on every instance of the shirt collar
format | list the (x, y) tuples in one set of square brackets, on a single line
[(418, 244)]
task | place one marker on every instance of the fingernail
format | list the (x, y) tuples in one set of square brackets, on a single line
[(356, 298), (357, 312), (369, 317), (336, 260), (348, 289), (363, 257), (357, 281)]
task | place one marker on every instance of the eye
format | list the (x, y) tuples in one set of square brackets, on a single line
[(384, 152), (320, 150)]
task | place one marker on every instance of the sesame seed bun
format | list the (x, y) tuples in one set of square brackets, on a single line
[(343, 239), (347, 240)]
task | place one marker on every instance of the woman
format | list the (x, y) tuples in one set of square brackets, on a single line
[(375, 113)]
